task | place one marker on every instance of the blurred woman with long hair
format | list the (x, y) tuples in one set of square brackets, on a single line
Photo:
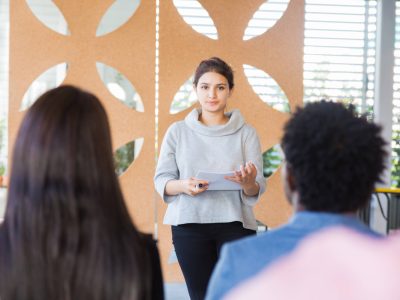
[(67, 233)]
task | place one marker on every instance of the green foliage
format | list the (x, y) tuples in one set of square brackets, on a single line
[(272, 158), (396, 158), (124, 157)]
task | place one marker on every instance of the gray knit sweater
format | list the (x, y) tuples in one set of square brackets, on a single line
[(190, 146)]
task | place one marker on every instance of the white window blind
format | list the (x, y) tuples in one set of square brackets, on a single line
[(4, 43), (339, 51), (396, 104)]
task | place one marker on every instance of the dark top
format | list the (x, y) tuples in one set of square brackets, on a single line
[(157, 290)]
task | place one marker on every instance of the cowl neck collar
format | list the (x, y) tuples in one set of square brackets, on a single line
[(235, 122)]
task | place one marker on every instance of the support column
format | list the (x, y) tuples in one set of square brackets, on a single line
[(383, 104)]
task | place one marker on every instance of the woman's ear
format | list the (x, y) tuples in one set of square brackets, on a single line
[(230, 92)]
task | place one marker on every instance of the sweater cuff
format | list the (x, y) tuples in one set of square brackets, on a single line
[(160, 187), (251, 200)]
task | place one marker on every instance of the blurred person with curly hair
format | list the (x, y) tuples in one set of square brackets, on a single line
[(333, 158)]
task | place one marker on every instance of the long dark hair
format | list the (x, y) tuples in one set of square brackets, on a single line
[(67, 233)]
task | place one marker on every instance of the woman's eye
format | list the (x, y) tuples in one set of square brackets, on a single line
[(221, 88), (204, 87)]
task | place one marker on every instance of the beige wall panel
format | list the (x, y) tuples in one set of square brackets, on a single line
[(130, 49), (275, 208), (278, 52)]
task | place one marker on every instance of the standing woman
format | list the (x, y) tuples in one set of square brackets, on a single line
[(213, 140), (67, 234)]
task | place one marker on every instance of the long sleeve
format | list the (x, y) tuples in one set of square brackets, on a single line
[(252, 152), (167, 168)]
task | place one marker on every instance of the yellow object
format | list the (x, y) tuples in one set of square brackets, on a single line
[(387, 190)]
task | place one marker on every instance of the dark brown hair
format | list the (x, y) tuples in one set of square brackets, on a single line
[(214, 64), (67, 233)]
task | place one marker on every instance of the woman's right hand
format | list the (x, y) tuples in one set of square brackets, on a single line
[(194, 186), (191, 186)]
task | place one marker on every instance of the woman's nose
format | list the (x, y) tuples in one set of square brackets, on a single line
[(211, 93)]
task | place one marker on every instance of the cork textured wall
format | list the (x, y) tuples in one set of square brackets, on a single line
[(131, 49)]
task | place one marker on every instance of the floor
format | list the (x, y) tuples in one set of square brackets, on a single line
[(176, 291)]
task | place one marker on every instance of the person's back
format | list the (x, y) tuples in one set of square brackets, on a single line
[(67, 233), (339, 264), (333, 160)]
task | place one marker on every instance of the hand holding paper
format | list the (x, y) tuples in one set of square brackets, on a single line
[(246, 178), (217, 180)]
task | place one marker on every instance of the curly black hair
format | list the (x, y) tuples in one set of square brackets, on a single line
[(335, 156)]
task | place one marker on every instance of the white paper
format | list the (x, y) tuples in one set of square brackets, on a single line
[(217, 182)]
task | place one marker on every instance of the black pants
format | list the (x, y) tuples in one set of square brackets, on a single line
[(197, 247)]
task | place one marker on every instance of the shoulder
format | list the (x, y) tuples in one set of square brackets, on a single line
[(244, 251), (174, 130), (246, 255), (150, 249), (246, 243), (148, 241), (177, 127), (149, 246), (262, 247), (249, 130)]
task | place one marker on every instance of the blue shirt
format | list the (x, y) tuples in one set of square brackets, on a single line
[(242, 259)]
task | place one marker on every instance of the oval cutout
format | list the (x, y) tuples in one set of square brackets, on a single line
[(267, 88), (119, 86), (49, 79), (272, 159), (125, 155), (184, 98), (48, 13), (194, 14), (117, 15), (265, 18)]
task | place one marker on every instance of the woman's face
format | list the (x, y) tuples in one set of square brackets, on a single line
[(213, 92)]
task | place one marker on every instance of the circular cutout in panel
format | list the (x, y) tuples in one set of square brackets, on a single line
[(267, 89), (194, 14), (119, 86), (184, 98), (47, 12), (265, 18), (49, 79), (117, 15), (125, 155), (272, 159)]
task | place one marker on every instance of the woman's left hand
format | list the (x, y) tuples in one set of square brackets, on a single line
[(246, 177)]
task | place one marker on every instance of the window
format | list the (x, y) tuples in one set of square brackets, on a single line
[(4, 38), (396, 104), (339, 52)]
